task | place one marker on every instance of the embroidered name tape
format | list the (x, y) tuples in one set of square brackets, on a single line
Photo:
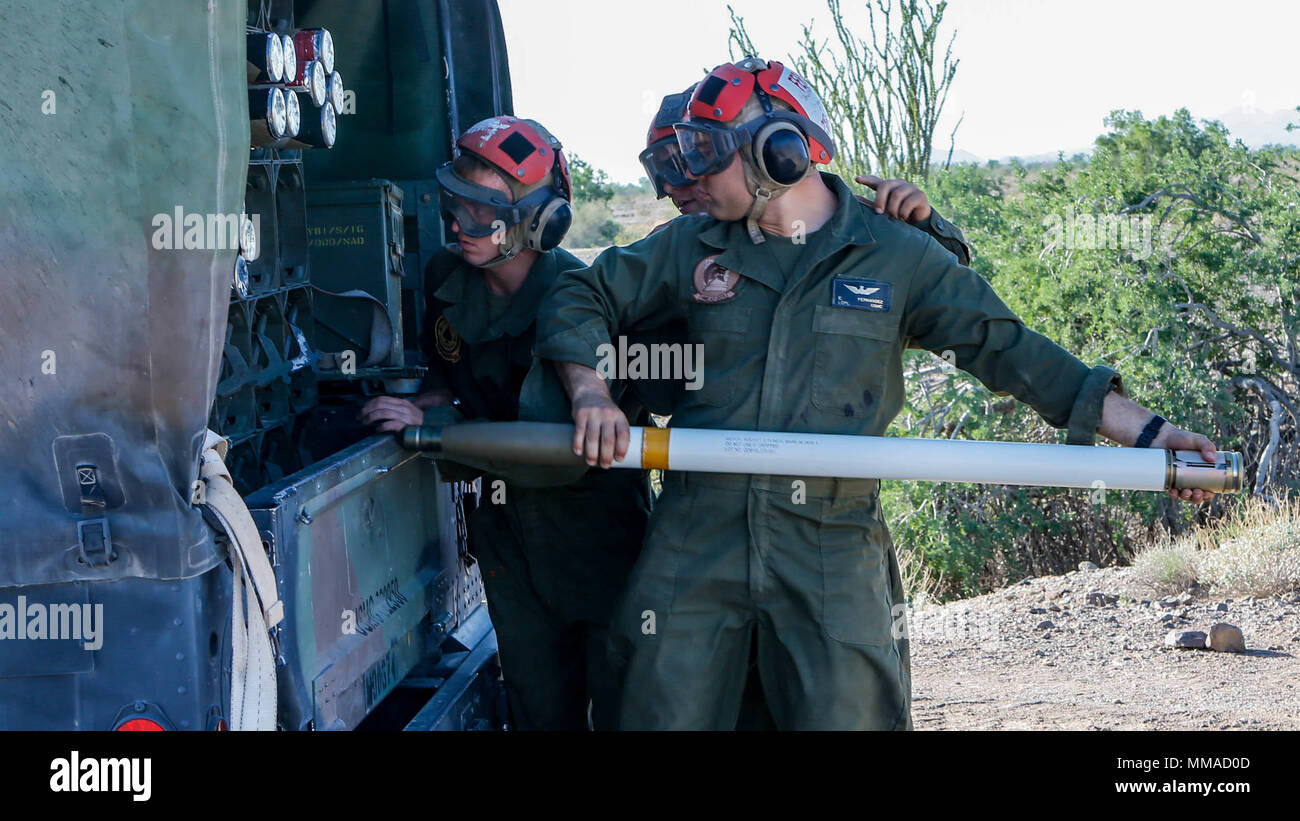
[(863, 294)]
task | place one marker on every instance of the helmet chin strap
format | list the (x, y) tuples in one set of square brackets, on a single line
[(762, 197), (764, 192), (502, 258), (511, 250)]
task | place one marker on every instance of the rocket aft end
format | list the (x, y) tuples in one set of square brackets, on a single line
[(1187, 469)]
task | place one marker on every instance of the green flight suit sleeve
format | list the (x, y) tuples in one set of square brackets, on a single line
[(946, 234), (952, 308), (625, 289), (435, 274)]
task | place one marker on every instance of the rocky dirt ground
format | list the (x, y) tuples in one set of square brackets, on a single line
[(1044, 654)]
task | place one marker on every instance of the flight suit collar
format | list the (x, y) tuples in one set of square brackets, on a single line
[(847, 226), (466, 294)]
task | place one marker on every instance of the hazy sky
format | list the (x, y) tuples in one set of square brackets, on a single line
[(1036, 76)]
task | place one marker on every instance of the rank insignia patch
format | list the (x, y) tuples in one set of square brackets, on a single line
[(863, 294)]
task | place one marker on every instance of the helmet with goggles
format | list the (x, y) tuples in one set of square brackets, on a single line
[(536, 214), (662, 159), (767, 114)]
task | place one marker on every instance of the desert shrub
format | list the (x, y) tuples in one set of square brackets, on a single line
[(593, 226), (1171, 255), (1259, 555), (1169, 566)]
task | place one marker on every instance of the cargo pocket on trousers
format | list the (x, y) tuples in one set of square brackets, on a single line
[(649, 590), (856, 601)]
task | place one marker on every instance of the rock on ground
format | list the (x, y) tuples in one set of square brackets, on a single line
[(1189, 639), (982, 663), (1226, 639)]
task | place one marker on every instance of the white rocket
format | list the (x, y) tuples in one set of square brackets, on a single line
[(847, 457)]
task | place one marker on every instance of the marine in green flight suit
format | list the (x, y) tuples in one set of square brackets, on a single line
[(803, 330), (553, 556), (553, 559), (898, 198)]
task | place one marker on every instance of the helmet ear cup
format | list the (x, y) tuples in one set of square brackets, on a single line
[(550, 224), (781, 152)]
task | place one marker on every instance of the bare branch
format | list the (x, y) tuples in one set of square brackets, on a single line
[(1251, 332)]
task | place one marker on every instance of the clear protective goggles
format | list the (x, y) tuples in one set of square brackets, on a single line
[(477, 209), (663, 164), (709, 149)]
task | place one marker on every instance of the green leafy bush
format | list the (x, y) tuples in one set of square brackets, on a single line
[(593, 226), (1170, 255)]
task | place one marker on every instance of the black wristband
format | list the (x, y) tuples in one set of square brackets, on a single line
[(1148, 433)]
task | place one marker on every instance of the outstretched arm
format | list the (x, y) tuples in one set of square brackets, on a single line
[(623, 290), (1122, 421), (951, 308)]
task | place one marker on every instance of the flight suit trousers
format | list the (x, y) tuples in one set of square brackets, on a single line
[(804, 567), (553, 562)]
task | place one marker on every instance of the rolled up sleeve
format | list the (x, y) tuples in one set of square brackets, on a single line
[(951, 308), (1085, 413)]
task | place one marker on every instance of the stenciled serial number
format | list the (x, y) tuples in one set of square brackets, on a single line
[(761, 444)]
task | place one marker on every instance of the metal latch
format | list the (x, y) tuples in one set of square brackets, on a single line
[(94, 538), (96, 542)]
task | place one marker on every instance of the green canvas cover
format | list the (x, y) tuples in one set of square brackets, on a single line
[(112, 113)]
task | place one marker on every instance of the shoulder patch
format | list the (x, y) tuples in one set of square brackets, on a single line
[(447, 340), (713, 282)]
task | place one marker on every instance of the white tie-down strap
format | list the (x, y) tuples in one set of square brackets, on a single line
[(252, 681)]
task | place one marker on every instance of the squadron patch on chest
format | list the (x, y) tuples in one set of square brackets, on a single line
[(447, 340), (713, 282)]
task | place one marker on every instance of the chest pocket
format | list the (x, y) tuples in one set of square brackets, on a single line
[(721, 329), (854, 353)]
